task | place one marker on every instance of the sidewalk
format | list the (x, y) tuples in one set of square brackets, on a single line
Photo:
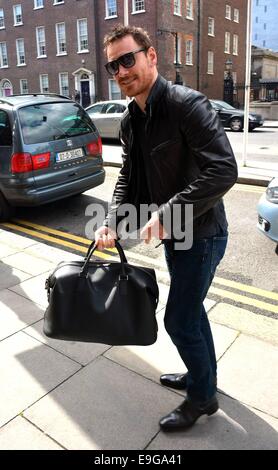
[(65, 395)]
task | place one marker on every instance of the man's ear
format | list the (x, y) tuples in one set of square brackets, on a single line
[(152, 55)]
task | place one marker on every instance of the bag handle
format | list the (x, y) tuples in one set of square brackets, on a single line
[(92, 248)]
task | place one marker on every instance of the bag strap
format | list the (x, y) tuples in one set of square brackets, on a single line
[(92, 248)]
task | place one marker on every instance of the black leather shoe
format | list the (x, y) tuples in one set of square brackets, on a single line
[(177, 381), (187, 414)]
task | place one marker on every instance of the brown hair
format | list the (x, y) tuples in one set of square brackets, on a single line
[(139, 35)]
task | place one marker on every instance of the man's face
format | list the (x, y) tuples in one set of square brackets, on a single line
[(139, 78)]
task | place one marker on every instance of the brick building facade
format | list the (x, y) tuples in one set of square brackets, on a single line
[(56, 45)]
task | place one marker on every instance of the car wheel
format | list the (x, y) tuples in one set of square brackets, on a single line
[(6, 210), (236, 125)]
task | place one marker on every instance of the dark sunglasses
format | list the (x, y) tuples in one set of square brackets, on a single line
[(126, 60)]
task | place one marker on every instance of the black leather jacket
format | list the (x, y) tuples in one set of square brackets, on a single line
[(190, 160)]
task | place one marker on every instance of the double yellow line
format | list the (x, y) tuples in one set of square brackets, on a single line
[(239, 293)]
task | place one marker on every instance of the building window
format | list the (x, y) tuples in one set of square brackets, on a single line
[(210, 63), (3, 55), (20, 52), (82, 34), (138, 6), (57, 2), (228, 14), (44, 84), (17, 15), (211, 26), (189, 52), (38, 4), (189, 9), (2, 19), (64, 83), (114, 90), (41, 47), (236, 15), (177, 7), (227, 43), (61, 39), (24, 86), (177, 52), (111, 8), (235, 44)]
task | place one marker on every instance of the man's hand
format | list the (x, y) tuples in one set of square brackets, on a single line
[(105, 238), (153, 229)]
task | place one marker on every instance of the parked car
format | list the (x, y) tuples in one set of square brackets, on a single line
[(49, 150), (234, 118), (106, 115), (268, 212)]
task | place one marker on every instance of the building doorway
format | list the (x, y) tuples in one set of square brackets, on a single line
[(6, 88), (85, 90)]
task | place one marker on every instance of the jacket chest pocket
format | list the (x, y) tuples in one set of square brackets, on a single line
[(168, 147)]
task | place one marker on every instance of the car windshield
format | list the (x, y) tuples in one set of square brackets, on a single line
[(53, 121), (223, 104)]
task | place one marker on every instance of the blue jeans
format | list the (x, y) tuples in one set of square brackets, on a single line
[(191, 272)]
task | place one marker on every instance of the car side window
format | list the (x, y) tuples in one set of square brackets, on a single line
[(5, 129), (95, 109)]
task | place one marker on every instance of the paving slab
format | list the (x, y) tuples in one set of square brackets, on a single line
[(28, 263), (234, 427), (6, 250), (15, 241), (33, 289), (19, 434), (247, 322), (162, 356), (28, 370), (51, 254), (104, 406), (249, 372), (83, 353), (10, 277), (16, 313)]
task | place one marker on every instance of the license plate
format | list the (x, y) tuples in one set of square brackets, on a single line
[(69, 155)]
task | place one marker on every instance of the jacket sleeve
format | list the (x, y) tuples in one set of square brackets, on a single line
[(120, 193), (212, 153)]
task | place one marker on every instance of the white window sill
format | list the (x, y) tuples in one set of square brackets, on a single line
[(190, 65), (4, 67), (177, 14), (235, 53), (226, 18), (61, 53), (138, 12), (18, 24), (21, 65), (85, 51), (190, 18), (111, 17), (38, 8), (41, 56), (227, 52), (60, 3), (210, 73), (2, 27), (236, 21), (211, 35)]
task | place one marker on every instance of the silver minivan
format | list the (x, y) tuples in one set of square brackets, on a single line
[(49, 150)]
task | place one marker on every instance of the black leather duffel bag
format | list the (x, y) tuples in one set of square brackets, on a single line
[(102, 302)]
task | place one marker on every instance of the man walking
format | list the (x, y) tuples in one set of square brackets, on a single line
[(175, 153)]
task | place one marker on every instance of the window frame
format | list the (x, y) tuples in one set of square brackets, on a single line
[(227, 43), (38, 7), (58, 52), (190, 52), (21, 87), (17, 23), (79, 50), (213, 26), (60, 83), (2, 65), (41, 82), (189, 10), (235, 44), (110, 81), (210, 67), (107, 16), (19, 64), (236, 15), (134, 7), (2, 18), (177, 6), (228, 12), (39, 55)]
